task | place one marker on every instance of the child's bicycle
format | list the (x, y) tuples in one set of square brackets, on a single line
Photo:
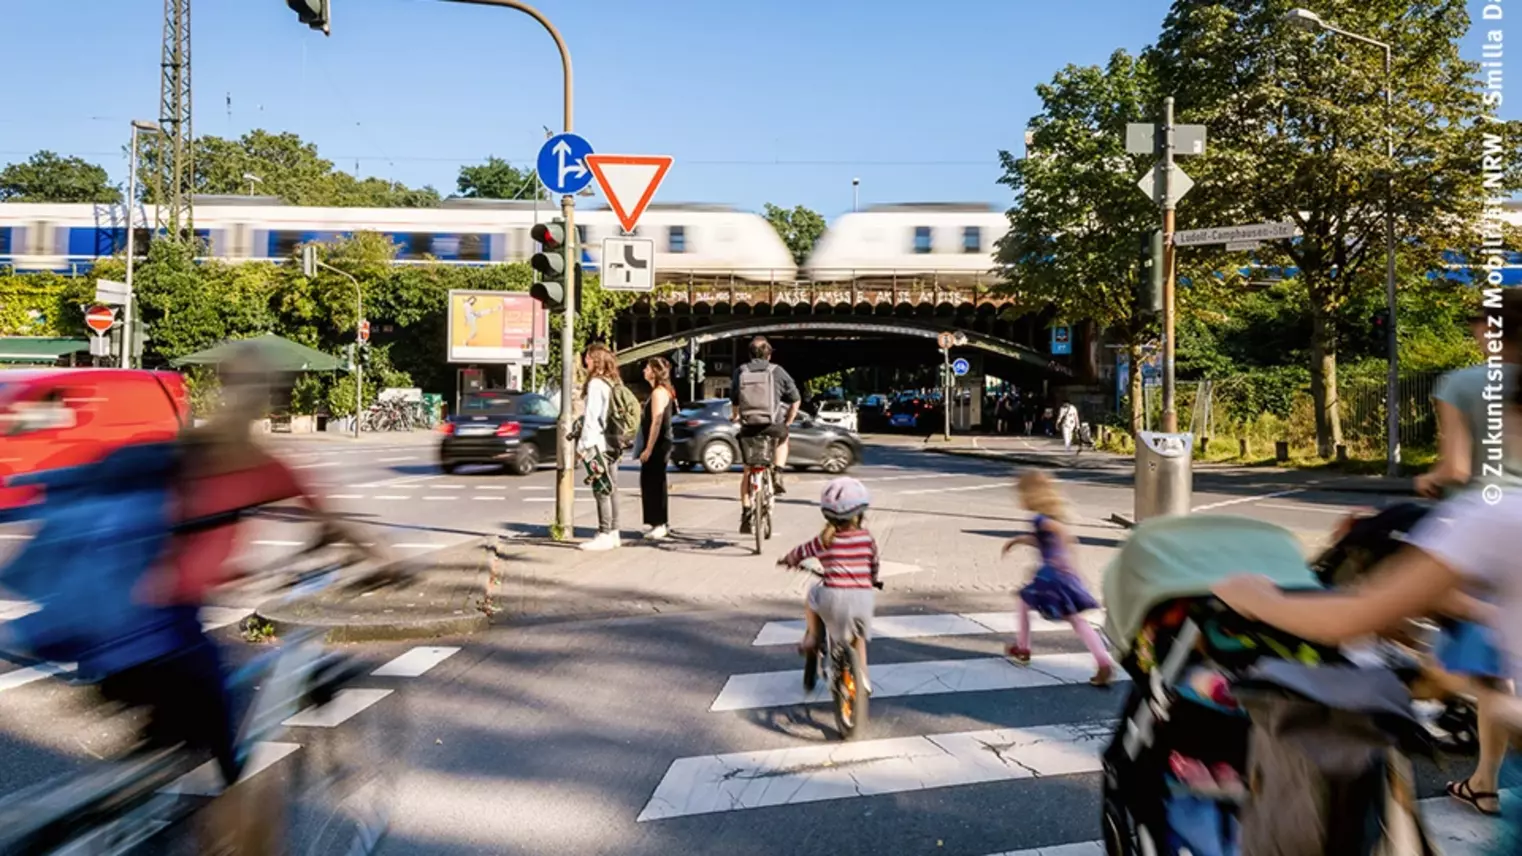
[(337, 802), (760, 454), (842, 667)]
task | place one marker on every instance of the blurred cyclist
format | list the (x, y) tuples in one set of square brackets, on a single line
[(764, 399)]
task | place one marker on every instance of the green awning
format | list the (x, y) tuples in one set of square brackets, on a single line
[(283, 355), (38, 350)]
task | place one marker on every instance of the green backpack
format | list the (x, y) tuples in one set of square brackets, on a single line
[(623, 421)]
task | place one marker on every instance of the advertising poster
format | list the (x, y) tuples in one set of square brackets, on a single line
[(496, 327)]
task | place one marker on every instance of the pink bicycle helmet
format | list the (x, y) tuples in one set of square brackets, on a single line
[(843, 499)]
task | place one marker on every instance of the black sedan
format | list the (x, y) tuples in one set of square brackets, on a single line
[(705, 437), (511, 429)]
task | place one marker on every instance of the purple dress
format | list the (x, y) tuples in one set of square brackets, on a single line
[(1055, 592)]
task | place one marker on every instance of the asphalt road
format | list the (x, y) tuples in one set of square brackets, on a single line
[(689, 732)]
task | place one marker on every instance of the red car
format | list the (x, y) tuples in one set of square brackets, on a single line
[(52, 418)]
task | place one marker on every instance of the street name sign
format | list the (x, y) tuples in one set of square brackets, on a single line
[(562, 164), (1235, 234), (111, 293), (628, 264), (1142, 139), (629, 182)]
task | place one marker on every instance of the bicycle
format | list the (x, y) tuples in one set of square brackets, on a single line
[(843, 670), (760, 467), (113, 808)]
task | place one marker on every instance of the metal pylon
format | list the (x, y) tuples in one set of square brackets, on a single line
[(174, 180)]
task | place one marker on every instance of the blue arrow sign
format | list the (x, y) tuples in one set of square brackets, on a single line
[(561, 167), (960, 367)]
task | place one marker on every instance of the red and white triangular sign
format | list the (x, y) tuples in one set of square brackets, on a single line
[(629, 182)]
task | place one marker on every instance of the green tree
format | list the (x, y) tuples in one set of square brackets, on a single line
[(498, 179), (1297, 132), (46, 177), (799, 228)]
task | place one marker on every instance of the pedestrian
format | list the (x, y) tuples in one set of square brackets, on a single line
[(1002, 413), (1055, 590), (655, 427), (1067, 423), (592, 447)]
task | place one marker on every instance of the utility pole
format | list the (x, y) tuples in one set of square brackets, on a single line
[(946, 392), (174, 179), (1170, 413), (692, 370)]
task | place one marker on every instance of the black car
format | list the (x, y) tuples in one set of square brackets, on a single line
[(706, 437), (512, 429)]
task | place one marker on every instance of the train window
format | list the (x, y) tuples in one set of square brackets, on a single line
[(972, 239), (284, 243), (417, 245), (581, 235), (676, 239), (921, 239), (473, 248), (5, 240)]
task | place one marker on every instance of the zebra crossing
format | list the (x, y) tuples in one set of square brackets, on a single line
[(958, 658)]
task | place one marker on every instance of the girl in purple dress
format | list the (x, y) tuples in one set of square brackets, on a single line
[(1055, 591)]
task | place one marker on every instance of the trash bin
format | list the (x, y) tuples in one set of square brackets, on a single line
[(1164, 475)]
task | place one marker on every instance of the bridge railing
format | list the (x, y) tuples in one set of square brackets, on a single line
[(849, 286)]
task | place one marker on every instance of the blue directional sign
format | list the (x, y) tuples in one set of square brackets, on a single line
[(960, 367), (1062, 340), (561, 165)]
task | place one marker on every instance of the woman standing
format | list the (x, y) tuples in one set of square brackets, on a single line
[(655, 427), (592, 447)]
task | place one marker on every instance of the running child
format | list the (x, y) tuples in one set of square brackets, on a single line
[(1055, 591), (845, 599)]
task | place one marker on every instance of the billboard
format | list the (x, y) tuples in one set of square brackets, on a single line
[(496, 327)]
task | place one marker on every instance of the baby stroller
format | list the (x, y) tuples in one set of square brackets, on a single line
[(1363, 541), (1238, 739)]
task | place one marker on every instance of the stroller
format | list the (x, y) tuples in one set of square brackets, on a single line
[(1238, 739)]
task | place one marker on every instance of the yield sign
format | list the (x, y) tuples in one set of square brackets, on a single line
[(629, 182)]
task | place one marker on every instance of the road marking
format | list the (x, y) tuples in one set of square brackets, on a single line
[(449, 487), (440, 498), (1313, 509), (493, 487), (316, 466), (345, 496), (1242, 499), (206, 780), (6, 536), (414, 663), (415, 546), (536, 499), (10, 610), (909, 478), (344, 706), (895, 680), (803, 774), (396, 482), (218, 617), (277, 543), (1082, 848), (393, 497), (954, 489), (491, 499), (532, 487), (32, 674), (396, 459), (918, 626)]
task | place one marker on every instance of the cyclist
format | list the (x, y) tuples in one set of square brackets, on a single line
[(765, 401), (846, 598)]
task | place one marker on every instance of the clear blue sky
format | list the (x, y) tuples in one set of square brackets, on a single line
[(780, 101)]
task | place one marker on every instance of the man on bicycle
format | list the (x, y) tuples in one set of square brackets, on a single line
[(765, 402)]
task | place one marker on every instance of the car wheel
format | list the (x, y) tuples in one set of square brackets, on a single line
[(837, 459), (718, 457), (526, 462)]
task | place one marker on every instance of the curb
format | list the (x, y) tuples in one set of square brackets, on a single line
[(341, 631)]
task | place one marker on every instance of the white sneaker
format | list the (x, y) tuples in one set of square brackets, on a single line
[(659, 533), (603, 541)]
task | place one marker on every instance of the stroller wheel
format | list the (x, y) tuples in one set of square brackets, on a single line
[(1119, 839), (1460, 720)]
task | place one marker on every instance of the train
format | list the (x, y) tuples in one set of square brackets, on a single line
[(947, 242)]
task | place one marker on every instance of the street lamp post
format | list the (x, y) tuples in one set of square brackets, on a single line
[(1310, 21), (150, 127), (252, 180), (855, 197)]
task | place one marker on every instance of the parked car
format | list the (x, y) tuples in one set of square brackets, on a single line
[(515, 430), (51, 418), (841, 414), (704, 436)]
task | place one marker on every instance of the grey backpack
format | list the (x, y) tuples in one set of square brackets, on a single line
[(758, 396)]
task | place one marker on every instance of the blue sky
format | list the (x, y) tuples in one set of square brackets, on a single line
[(780, 101)]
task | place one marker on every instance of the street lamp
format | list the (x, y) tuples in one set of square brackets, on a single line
[(152, 128), (855, 187), (1307, 20), (252, 180)]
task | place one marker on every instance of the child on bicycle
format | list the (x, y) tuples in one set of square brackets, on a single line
[(845, 598), (1055, 591)]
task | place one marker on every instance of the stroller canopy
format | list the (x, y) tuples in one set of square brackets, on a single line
[(1179, 557)]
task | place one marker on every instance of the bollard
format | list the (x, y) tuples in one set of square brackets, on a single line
[(1281, 451), (1164, 479), (1242, 448), (1204, 446), (1342, 453)]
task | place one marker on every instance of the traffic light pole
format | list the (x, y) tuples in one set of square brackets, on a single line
[(359, 320), (1170, 412)]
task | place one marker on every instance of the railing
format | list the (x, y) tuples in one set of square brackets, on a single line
[(844, 287)]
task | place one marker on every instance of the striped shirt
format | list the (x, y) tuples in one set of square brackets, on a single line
[(850, 562)]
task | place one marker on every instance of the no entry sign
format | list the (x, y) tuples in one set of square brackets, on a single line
[(100, 319)]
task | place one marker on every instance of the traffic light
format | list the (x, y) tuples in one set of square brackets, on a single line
[(316, 14), (549, 263), (698, 371), (1380, 323), (1149, 275)]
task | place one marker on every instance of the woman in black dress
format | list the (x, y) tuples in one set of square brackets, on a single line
[(655, 457)]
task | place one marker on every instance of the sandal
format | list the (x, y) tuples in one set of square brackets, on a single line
[(1462, 792), (1018, 654), (1103, 677)]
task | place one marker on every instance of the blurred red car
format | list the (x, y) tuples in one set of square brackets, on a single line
[(52, 418)]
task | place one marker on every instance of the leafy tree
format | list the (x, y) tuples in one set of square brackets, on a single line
[(1297, 132), (498, 179), (46, 177), (799, 228)]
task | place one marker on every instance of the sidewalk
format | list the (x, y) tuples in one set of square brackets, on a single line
[(1048, 452)]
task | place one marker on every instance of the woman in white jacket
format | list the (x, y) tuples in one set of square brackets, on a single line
[(592, 447)]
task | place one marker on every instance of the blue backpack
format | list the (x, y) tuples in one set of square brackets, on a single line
[(104, 526)]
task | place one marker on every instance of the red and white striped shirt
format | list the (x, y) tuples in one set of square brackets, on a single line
[(850, 562)]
